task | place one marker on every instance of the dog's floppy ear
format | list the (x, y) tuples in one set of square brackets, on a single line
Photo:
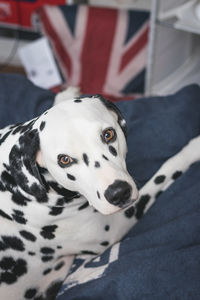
[(111, 106), (23, 165)]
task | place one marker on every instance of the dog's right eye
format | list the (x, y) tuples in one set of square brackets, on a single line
[(64, 160)]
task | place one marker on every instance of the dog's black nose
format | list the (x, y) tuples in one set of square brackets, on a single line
[(118, 193)]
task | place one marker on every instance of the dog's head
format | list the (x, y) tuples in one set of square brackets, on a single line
[(83, 146)]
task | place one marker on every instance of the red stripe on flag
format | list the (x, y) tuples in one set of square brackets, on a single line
[(134, 49), (97, 46), (63, 56)]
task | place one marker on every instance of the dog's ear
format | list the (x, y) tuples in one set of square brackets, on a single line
[(111, 106), (23, 165)]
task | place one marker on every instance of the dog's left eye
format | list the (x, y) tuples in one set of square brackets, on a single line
[(109, 135), (64, 160)]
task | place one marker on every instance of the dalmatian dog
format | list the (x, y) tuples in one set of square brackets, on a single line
[(65, 190)]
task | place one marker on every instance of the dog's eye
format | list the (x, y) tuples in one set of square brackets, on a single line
[(64, 160), (109, 135)]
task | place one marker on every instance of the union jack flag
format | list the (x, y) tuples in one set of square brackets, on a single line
[(101, 50)]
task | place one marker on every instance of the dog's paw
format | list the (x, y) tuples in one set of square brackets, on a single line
[(70, 93)]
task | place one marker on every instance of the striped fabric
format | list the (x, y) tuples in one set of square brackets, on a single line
[(99, 49)]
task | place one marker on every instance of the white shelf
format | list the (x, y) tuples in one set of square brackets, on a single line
[(187, 73), (186, 18)]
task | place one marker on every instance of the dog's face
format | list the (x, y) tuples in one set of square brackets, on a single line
[(83, 146)]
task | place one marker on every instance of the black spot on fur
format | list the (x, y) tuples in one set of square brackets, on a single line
[(2, 139), (59, 247), (176, 175), (42, 125), (19, 199), (77, 100), (105, 243), (129, 213), (158, 194), (107, 228), (13, 242), (24, 155), (112, 107), (85, 205), (159, 179), (47, 258), (55, 211), (18, 216), (59, 265), (68, 195), (98, 195), (86, 159), (47, 271), (47, 250), (97, 164), (28, 235), (30, 293), (11, 269), (112, 150), (71, 177), (141, 205), (47, 232), (31, 253), (105, 157), (52, 291), (4, 215), (88, 252)]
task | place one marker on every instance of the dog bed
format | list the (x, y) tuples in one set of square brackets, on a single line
[(159, 258)]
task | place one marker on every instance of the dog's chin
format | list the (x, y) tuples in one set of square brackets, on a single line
[(110, 209)]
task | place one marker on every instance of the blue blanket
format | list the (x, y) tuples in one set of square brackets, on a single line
[(160, 257)]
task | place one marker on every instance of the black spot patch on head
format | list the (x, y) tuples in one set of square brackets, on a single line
[(47, 232), (77, 100), (129, 213), (105, 157), (105, 243), (176, 175), (88, 252), (114, 108), (47, 250), (55, 211), (28, 235), (98, 195), (85, 205), (42, 125), (31, 253), (97, 164), (71, 177), (11, 269), (159, 179), (47, 271), (18, 216), (107, 228), (86, 159), (59, 265), (30, 293), (144, 199), (112, 150), (13, 242), (4, 215)]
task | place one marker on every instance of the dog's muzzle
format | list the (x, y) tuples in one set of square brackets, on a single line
[(118, 193)]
